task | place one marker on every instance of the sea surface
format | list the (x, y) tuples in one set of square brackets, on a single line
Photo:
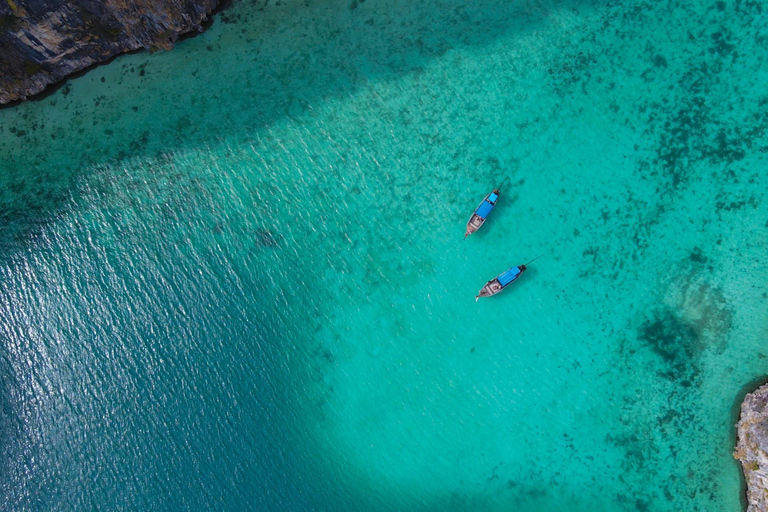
[(232, 275)]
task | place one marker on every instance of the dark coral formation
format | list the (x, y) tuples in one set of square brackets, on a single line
[(693, 317), (675, 341), (44, 41)]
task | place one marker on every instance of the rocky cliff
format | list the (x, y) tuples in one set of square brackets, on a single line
[(752, 447), (43, 41)]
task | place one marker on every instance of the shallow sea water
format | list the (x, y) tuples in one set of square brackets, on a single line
[(232, 275)]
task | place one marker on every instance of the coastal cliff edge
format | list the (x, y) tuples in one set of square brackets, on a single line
[(752, 447), (44, 41)]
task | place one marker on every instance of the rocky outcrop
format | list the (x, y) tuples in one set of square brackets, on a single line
[(43, 41), (752, 447)]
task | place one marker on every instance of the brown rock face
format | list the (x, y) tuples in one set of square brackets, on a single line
[(43, 41), (752, 447)]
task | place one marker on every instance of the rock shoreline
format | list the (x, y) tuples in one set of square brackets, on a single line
[(44, 41), (752, 447)]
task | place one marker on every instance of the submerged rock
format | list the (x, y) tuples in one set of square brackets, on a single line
[(752, 447), (43, 41)]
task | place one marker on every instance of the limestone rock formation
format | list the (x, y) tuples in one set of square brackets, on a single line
[(752, 448), (43, 41)]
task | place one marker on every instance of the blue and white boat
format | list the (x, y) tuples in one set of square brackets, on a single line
[(498, 283), (503, 280), (481, 212)]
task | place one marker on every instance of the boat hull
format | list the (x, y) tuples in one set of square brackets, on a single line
[(474, 224), (500, 282), (492, 287), (481, 213)]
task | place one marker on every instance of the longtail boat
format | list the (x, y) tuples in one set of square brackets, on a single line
[(498, 283), (481, 212)]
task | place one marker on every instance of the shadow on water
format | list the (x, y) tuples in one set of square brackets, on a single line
[(258, 63)]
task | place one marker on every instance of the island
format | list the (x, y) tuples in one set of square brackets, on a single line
[(44, 41), (752, 447)]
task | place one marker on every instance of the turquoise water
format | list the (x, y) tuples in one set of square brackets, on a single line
[(232, 275)]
